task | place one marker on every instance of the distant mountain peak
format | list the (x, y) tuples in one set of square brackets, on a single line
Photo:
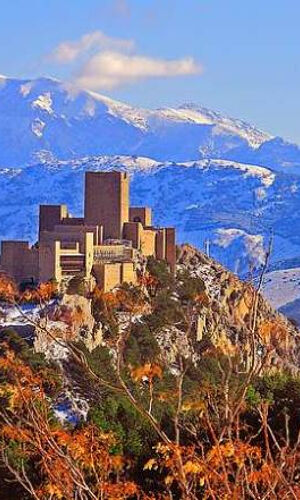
[(45, 114)]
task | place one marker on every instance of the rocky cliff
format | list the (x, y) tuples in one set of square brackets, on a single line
[(235, 313)]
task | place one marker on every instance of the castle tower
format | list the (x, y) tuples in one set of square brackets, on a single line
[(50, 215), (107, 202)]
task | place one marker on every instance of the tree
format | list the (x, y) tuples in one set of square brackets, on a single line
[(216, 434), (47, 460)]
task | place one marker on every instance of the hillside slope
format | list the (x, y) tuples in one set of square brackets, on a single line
[(191, 374), (205, 306), (228, 318)]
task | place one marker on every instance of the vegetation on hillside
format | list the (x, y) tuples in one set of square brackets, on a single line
[(170, 416)]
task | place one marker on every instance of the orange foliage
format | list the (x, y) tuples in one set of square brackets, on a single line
[(8, 289), (131, 300), (149, 371), (202, 299), (43, 293), (148, 280), (273, 332), (68, 461), (108, 299), (232, 471)]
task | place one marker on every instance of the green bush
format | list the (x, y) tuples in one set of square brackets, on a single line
[(189, 287), (166, 311), (141, 345), (100, 360), (22, 348), (282, 391), (133, 432), (159, 269)]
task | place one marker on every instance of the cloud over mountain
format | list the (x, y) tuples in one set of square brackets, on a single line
[(108, 70), (69, 51), (103, 62)]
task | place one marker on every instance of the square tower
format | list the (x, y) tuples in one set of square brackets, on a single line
[(50, 215), (141, 214), (107, 202)]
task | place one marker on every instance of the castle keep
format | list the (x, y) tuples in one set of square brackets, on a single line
[(103, 244)]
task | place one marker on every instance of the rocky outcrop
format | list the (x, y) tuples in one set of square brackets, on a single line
[(236, 314), (234, 318), (173, 342), (70, 319)]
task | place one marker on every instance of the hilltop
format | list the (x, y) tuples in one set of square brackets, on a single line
[(222, 320)]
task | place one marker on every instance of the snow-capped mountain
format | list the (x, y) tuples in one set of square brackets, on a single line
[(45, 116), (223, 183)]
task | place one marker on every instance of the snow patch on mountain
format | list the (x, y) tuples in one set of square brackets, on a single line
[(267, 176), (90, 108), (81, 123), (44, 102), (9, 173), (201, 115), (282, 287), (107, 163), (37, 127), (241, 246), (131, 115)]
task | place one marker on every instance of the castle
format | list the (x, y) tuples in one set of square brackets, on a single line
[(103, 244)]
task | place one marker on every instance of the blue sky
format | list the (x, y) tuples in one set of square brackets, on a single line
[(238, 57)]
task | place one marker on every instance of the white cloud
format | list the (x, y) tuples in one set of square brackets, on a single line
[(70, 51), (101, 62), (110, 69)]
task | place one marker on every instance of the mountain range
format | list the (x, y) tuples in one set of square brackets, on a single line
[(48, 116), (224, 184)]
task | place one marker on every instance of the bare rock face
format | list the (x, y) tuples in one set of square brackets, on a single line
[(45, 343), (173, 342), (71, 319), (79, 309), (237, 313)]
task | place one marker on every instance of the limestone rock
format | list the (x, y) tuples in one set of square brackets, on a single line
[(228, 320), (70, 319)]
